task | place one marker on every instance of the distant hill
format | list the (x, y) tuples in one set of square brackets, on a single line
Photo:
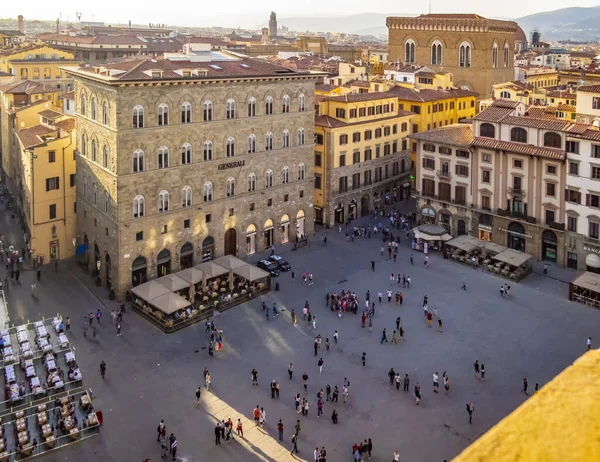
[(365, 24), (575, 23)]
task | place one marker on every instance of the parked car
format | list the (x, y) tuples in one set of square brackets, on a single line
[(282, 264), (269, 267)]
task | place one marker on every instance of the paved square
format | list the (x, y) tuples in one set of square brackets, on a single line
[(536, 333)]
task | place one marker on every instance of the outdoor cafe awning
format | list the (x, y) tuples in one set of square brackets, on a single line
[(426, 234), (250, 273), (191, 275), (211, 269), (173, 282), (466, 243), (589, 281), (229, 262), (512, 257), (169, 303), (150, 290), (493, 247)]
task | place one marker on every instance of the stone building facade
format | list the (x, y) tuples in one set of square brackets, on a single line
[(183, 160), (477, 51)]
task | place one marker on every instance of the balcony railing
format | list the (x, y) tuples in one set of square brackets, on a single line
[(517, 215), (517, 192), (460, 202), (557, 226), (444, 175)]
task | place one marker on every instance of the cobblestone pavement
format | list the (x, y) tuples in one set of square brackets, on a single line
[(536, 333)]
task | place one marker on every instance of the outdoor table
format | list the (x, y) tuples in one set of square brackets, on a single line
[(43, 419), (50, 441)]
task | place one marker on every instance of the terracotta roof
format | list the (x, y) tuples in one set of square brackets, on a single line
[(460, 135), (67, 124), (494, 113), (451, 16), (590, 88), (520, 35), (520, 148), (30, 137), (325, 87), (70, 95), (409, 94), (27, 87), (11, 32), (210, 40), (565, 107), (95, 39), (50, 114), (135, 70), (360, 97), (562, 94), (331, 122), (544, 124), (540, 112), (358, 83)]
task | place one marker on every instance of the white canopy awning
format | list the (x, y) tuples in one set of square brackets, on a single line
[(170, 303), (250, 273), (149, 290), (173, 282), (191, 275)]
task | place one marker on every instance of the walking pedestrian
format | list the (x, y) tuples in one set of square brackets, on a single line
[(293, 315), (482, 371), (171, 438), (464, 284), (297, 427), (164, 450), (502, 291), (39, 275), (239, 428), (291, 370), (102, 369), (327, 345), (118, 329), (440, 327), (305, 379), (256, 415), (446, 382), (398, 381), (545, 269), (589, 343), (295, 444), (406, 382), (370, 324), (372, 265), (335, 337), (314, 322), (525, 385), (280, 429), (320, 364), (394, 337), (436, 385), (159, 430), (198, 395), (254, 375), (218, 434), (476, 367), (68, 323), (98, 315), (398, 323), (384, 336), (417, 393), (470, 409)]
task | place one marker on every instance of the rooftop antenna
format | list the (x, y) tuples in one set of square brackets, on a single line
[(78, 14), (429, 6)]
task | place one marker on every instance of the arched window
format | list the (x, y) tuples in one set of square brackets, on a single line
[(105, 114), (163, 115), (163, 157), (230, 109), (464, 55), (301, 171), (105, 157), (251, 182), (94, 193), (286, 139), (94, 108), (186, 196), (252, 107), (301, 136), (269, 178), (208, 150), (518, 134), (230, 187), (252, 143), (163, 201), (85, 187), (138, 206), (506, 55), (436, 53), (487, 130), (138, 161), (269, 105), (186, 113), (285, 175), (94, 151), (230, 145), (409, 51), (83, 105), (505, 94), (269, 141), (208, 192), (286, 103), (84, 145), (186, 154), (552, 140), (207, 111), (106, 202), (138, 117), (495, 55), (301, 102)]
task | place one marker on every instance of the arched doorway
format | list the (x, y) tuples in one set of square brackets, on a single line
[(339, 213), (139, 271), (163, 263), (352, 210), (364, 206), (97, 259), (592, 263), (461, 227), (208, 249), (250, 240), (231, 242), (549, 246), (186, 256), (83, 253), (428, 216), (108, 270), (268, 237), (285, 229), (516, 237), (300, 232)]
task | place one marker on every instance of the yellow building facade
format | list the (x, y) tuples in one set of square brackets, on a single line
[(38, 63), (47, 194), (361, 155)]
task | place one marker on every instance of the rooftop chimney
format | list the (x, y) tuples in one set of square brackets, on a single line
[(20, 23)]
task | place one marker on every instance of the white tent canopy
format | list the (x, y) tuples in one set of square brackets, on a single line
[(211, 269), (191, 275), (169, 303), (150, 290), (250, 273), (173, 282), (229, 262)]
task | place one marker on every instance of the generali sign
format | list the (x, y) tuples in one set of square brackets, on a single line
[(237, 163)]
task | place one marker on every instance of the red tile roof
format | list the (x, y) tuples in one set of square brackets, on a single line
[(409, 94), (494, 113), (27, 87), (70, 95), (520, 148), (544, 124), (66, 124), (30, 137), (358, 83), (331, 122), (360, 97), (451, 16), (460, 135), (590, 88)]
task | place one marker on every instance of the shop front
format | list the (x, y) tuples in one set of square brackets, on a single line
[(352, 210), (339, 213), (428, 216), (516, 236), (549, 246), (484, 228), (592, 259)]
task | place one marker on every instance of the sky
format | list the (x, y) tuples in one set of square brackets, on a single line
[(234, 13)]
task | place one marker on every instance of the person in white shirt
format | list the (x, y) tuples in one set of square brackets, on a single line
[(589, 343), (396, 456)]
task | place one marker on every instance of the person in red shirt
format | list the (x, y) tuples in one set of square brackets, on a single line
[(256, 415), (364, 320)]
